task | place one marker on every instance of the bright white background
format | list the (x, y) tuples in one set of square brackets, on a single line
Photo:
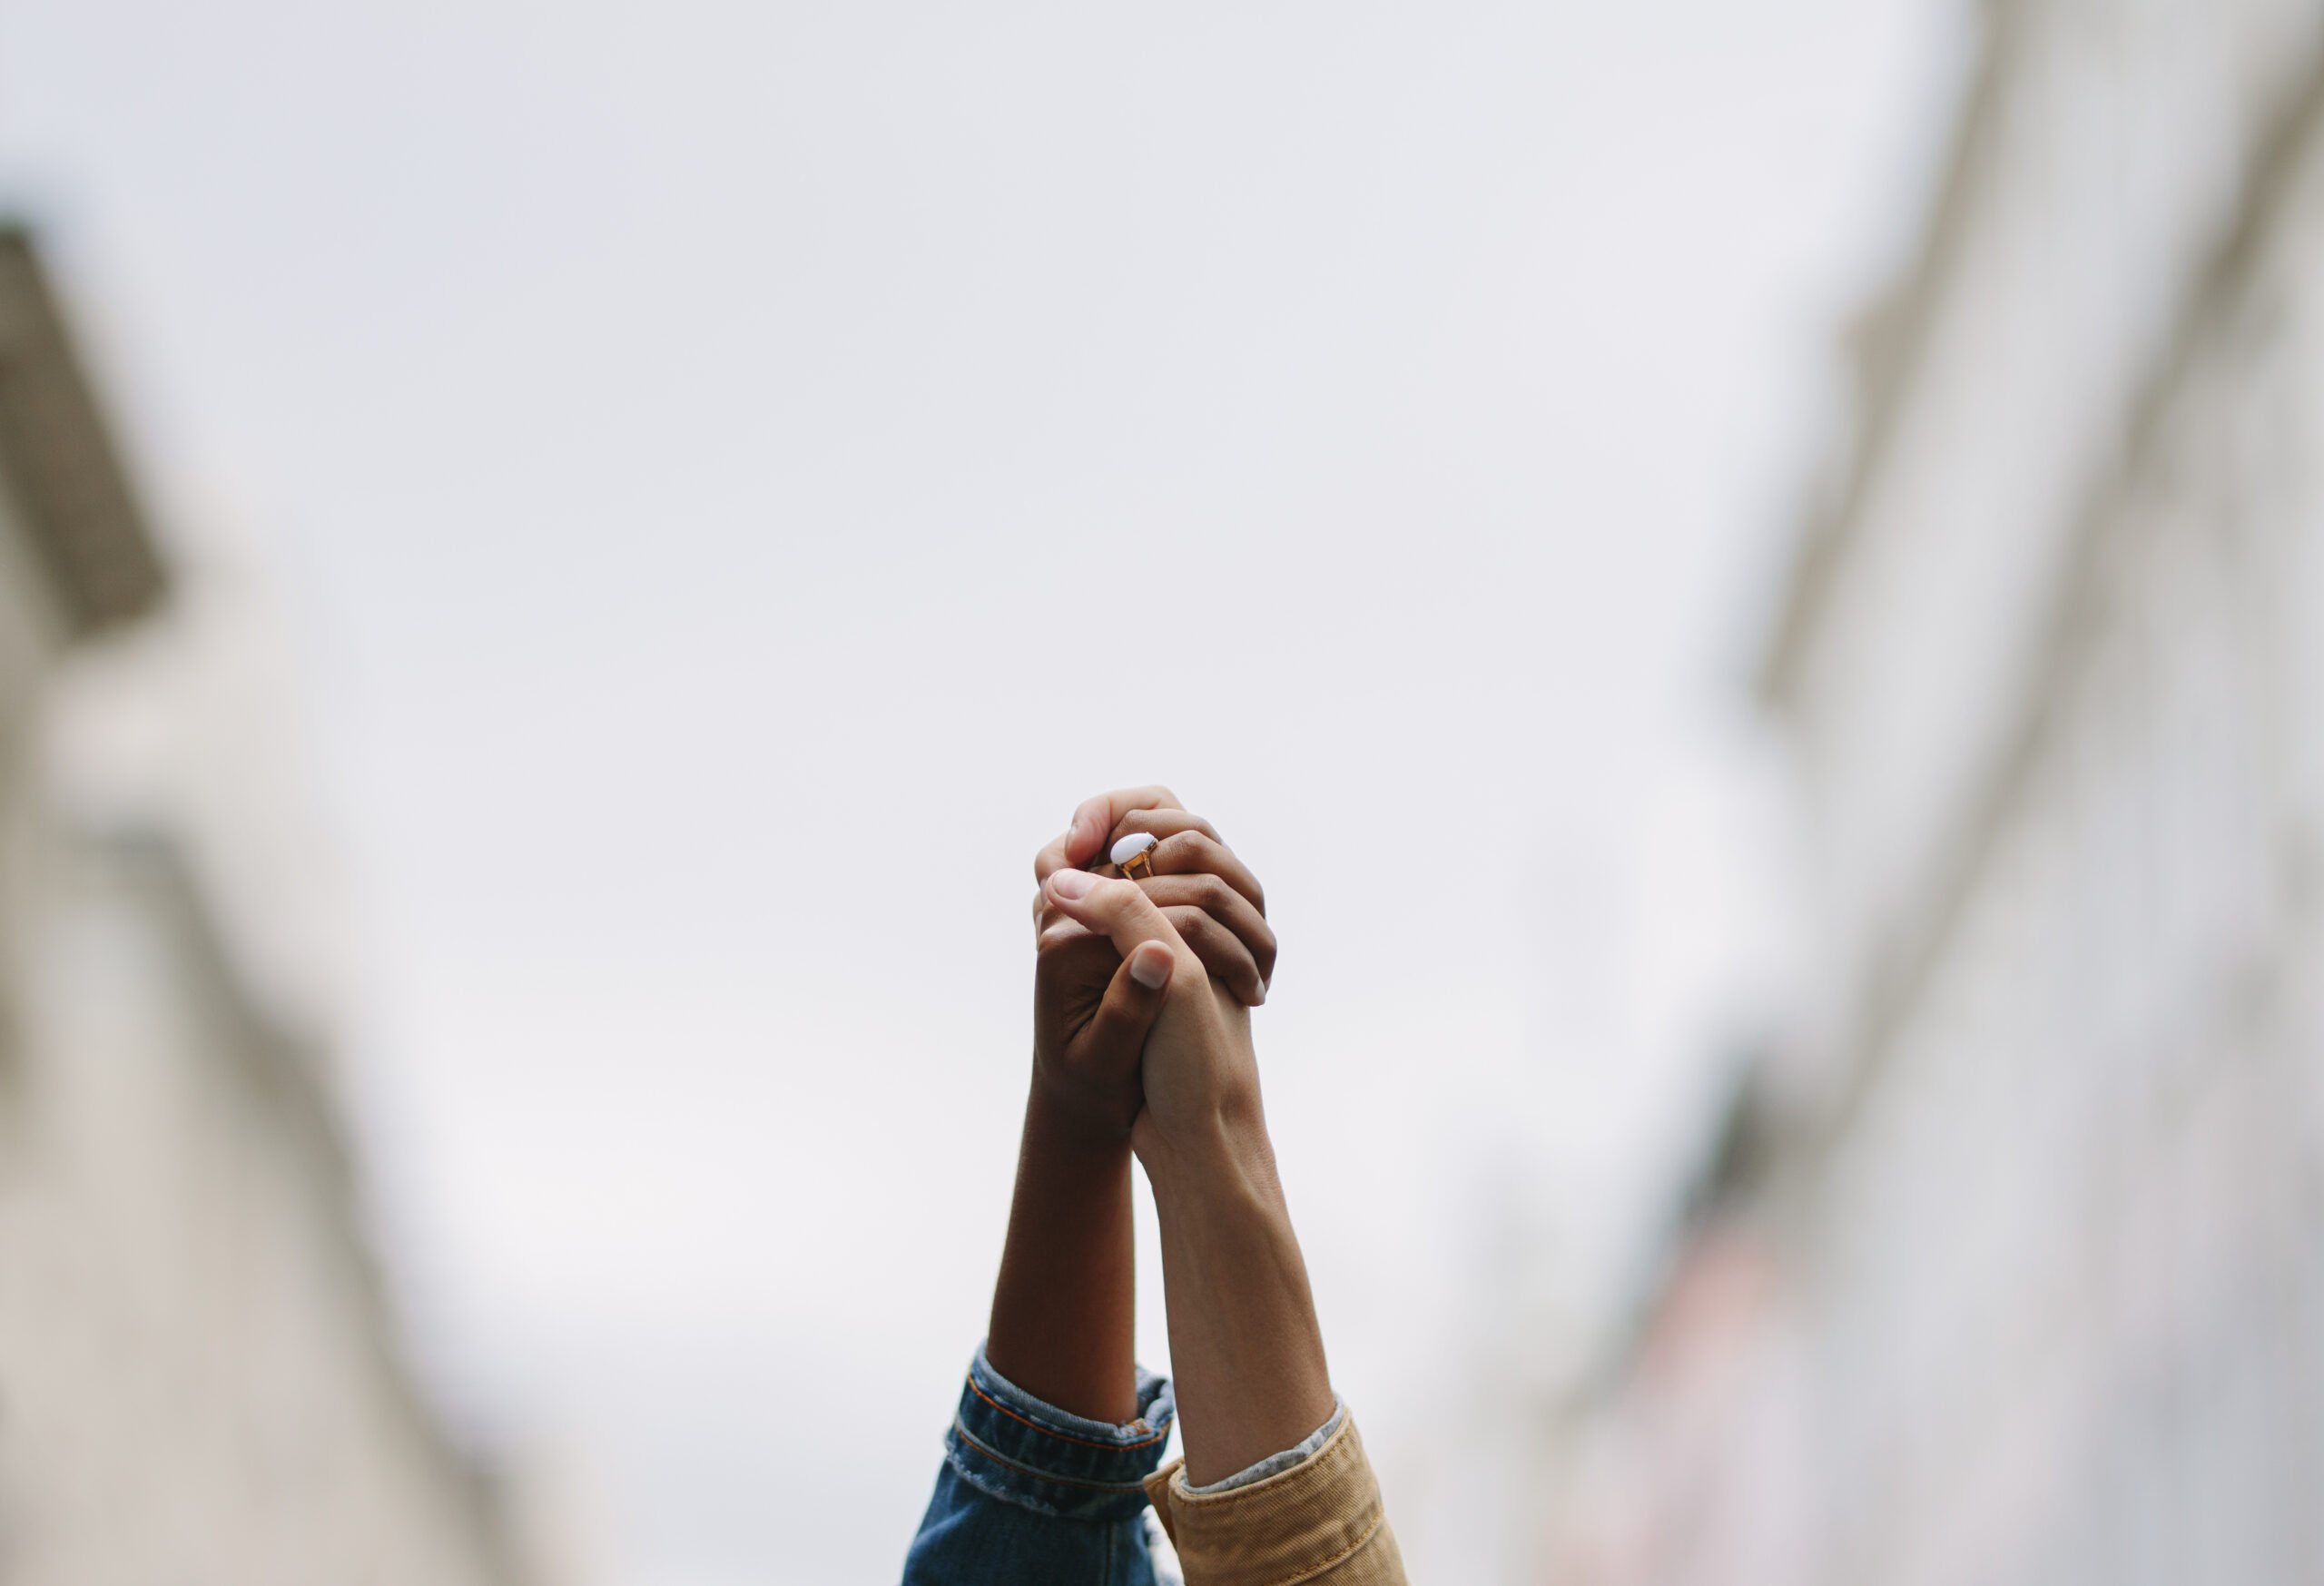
[(718, 484)]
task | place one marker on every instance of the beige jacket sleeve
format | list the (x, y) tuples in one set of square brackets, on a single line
[(1319, 1522)]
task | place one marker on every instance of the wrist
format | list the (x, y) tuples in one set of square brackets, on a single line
[(1223, 1153), (1069, 1125)]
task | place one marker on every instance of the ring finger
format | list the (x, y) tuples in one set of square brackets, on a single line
[(1190, 851)]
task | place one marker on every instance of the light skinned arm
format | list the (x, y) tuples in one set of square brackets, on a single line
[(1244, 1343)]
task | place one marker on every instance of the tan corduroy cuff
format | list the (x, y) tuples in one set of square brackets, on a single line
[(1319, 1520)]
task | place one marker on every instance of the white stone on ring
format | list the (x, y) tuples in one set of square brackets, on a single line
[(1131, 846)]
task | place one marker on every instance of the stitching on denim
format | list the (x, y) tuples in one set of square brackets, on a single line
[(996, 1485), (999, 1458), (983, 1482), (1065, 1436)]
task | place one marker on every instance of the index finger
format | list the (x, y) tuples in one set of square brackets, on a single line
[(1096, 818)]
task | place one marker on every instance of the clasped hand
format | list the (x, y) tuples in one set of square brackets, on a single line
[(1143, 987)]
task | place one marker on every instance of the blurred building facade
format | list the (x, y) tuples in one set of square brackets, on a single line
[(2008, 1265), (198, 1381)]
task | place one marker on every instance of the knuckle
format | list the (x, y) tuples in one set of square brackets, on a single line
[(1188, 852), (1194, 928)]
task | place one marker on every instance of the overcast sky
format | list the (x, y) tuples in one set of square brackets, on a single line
[(723, 481)]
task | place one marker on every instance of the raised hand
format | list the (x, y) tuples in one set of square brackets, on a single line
[(1092, 1004), (1196, 1079)]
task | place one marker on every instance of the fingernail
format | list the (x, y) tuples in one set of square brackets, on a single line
[(1150, 970), (1070, 883)]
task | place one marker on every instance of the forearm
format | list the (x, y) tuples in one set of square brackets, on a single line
[(1064, 1308), (1244, 1346), (1244, 1340)]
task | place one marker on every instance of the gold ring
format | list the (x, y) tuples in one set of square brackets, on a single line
[(1133, 855)]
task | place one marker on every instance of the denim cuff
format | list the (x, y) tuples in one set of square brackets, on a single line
[(1008, 1444)]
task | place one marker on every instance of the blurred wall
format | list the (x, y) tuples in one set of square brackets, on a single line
[(197, 1382), (2009, 1265)]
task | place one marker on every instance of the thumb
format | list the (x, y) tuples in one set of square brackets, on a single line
[(1133, 1000), (1118, 910)]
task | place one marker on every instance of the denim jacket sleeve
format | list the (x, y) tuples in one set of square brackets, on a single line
[(1030, 1492)]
